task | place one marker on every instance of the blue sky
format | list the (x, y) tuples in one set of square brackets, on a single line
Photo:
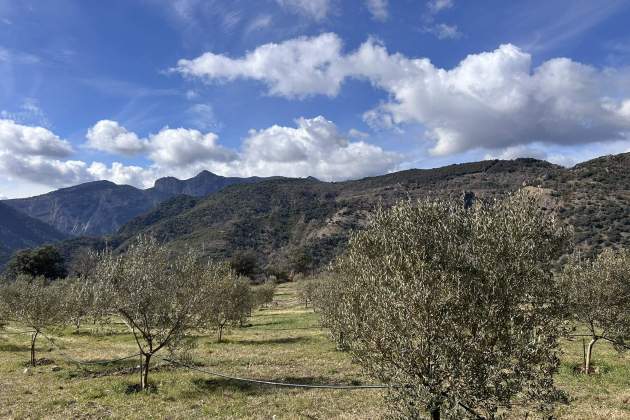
[(131, 90)]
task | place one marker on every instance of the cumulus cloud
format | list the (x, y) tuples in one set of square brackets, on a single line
[(17, 139), (170, 147), (314, 9), (36, 154), (109, 136), (314, 147), (378, 9), (296, 68), (489, 100), (182, 147)]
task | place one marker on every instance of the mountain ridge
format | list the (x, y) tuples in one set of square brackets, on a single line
[(102, 207)]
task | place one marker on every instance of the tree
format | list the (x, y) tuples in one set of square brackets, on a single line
[(230, 304), (161, 297), (307, 291), (327, 301), (300, 261), (44, 261), (78, 299), (598, 296), (245, 263), (82, 263), (263, 294), (35, 303), (457, 308)]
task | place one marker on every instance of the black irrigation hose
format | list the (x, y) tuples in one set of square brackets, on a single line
[(274, 383)]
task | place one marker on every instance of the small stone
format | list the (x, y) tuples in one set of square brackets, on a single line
[(55, 368), (27, 371)]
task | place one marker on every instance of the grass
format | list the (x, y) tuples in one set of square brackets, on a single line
[(282, 343)]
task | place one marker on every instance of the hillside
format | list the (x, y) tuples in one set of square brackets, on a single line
[(18, 231), (102, 207), (281, 217)]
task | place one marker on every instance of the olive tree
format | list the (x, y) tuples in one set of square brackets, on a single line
[(161, 297), (78, 299), (456, 307), (230, 303), (327, 302), (598, 296), (263, 294), (34, 302), (307, 291)]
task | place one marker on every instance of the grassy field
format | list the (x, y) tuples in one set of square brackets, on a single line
[(282, 343)]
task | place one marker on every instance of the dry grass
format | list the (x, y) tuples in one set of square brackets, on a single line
[(279, 345)]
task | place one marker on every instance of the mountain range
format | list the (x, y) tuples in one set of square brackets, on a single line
[(102, 207), (278, 217)]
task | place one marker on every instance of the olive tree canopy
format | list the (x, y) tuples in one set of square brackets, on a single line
[(34, 302), (160, 296), (598, 296), (455, 307)]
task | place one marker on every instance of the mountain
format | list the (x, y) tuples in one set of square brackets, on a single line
[(18, 231), (278, 218), (203, 184), (102, 207), (281, 217)]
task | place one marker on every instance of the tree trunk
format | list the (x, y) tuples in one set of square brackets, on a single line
[(144, 381), (220, 333), (33, 338), (589, 352), (435, 413)]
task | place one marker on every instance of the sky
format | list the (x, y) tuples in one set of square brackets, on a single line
[(134, 90)]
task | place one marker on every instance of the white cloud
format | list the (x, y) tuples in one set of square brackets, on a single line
[(357, 134), (440, 30), (313, 148), (295, 68), (314, 9), (202, 116), (109, 136), (444, 31), (169, 148), (17, 139), (44, 170), (436, 6), (29, 113), (121, 174), (179, 147), (489, 100), (259, 23), (378, 9)]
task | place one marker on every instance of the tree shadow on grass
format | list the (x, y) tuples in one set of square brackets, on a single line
[(281, 340), (220, 385)]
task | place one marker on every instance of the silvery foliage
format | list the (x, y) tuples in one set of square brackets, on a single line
[(598, 296), (230, 303), (160, 296), (456, 308), (34, 302)]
